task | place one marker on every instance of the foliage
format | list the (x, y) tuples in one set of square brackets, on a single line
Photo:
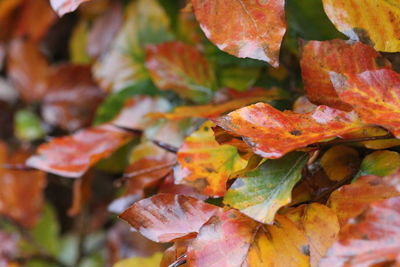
[(225, 133)]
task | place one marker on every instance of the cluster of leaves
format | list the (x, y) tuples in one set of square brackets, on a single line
[(177, 116)]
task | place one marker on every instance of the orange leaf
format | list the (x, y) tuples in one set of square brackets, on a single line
[(213, 110), (320, 225), (374, 95), (376, 22), (272, 133), (251, 29), (371, 239), (71, 156), (318, 58), (65, 6), (167, 217), (21, 192), (350, 200), (205, 164), (181, 68), (233, 240)]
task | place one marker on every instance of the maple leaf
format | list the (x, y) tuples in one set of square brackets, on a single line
[(242, 28), (272, 133)]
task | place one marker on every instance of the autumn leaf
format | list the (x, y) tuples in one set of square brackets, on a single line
[(354, 17), (152, 261), (380, 163), (65, 6), (18, 186), (303, 105), (205, 164), (147, 156), (171, 68), (71, 103), (123, 65), (319, 58), (373, 132), (135, 109), (351, 200), (71, 156), (272, 133), (214, 110), (263, 191), (374, 95), (320, 225), (370, 239), (30, 82), (244, 29), (243, 242), (167, 217), (340, 162)]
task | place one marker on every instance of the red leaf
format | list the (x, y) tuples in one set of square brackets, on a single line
[(167, 217), (351, 200), (272, 133), (71, 156), (370, 239), (374, 95), (251, 29), (319, 58)]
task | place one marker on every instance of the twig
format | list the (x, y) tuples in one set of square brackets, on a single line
[(165, 146), (41, 257), (126, 177), (179, 261), (82, 227), (18, 167), (353, 140)]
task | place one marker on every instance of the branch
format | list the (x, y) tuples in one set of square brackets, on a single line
[(180, 261), (165, 146), (353, 140)]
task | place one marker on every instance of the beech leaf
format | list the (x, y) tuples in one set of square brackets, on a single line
[(263, 191), (272, 133), (168, 217), (252, 29)]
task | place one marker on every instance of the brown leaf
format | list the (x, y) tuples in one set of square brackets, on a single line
[(72, 97), (21, 192), (168, 217)]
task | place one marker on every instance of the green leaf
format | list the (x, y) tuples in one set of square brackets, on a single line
[(263, 191), (45, 233), (239, 79), (28, 126), (379, 163), (114, 102)]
